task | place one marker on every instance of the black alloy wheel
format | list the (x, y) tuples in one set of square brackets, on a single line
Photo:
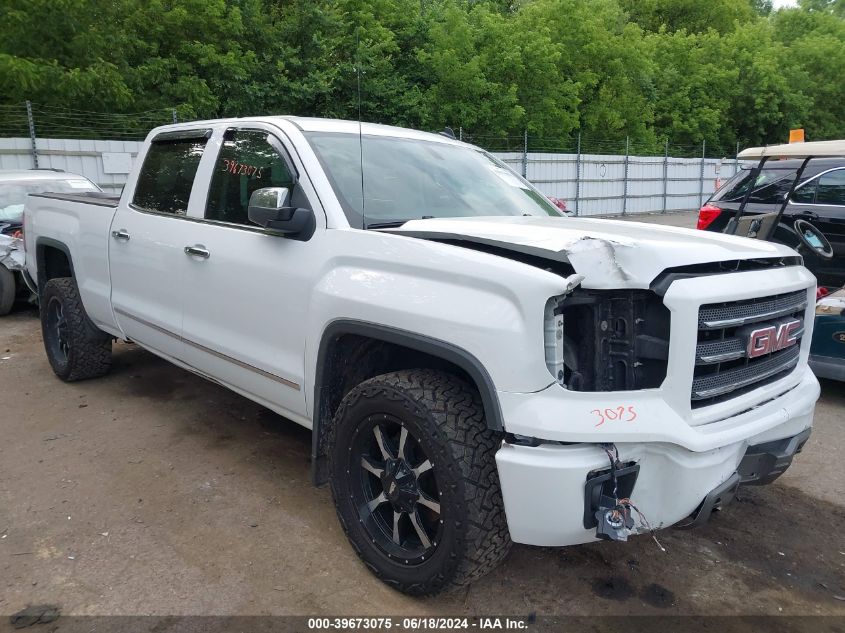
[(75, 347), (414, 480), (56, 337), (396, 489)]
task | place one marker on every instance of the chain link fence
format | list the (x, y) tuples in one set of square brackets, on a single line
[(41, 121), (593, 176), (100, 146)]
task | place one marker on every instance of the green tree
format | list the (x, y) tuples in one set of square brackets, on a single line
[(690, 80), (832, 7), (606, 60), (816, 43), (766, 100), (693, 16), (58, 53), (463, 89), (721, 71)]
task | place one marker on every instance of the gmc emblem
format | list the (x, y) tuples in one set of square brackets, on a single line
[(765, 340)]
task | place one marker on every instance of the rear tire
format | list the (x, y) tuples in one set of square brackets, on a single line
[(7, 290), (424, 513), (75, 347)]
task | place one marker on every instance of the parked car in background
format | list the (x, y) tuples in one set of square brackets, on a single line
[(818, 198), (15, 186), (560, 203), (827, 353), (793, 191)]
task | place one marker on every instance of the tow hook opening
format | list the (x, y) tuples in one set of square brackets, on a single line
[(607, 497), (598, 491)]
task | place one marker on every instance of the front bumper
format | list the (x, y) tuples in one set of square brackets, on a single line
[(763, 463), (543, 486)]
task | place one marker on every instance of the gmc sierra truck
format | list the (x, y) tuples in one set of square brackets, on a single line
[(475, 368)]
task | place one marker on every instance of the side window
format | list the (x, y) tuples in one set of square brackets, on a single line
[(167, 175), (773, 192), (807, 193), (831, 188), (247, 162), (770, 186)]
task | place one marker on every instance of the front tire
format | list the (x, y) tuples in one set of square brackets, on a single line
[(7, 290), (414, 481), (75, 347)]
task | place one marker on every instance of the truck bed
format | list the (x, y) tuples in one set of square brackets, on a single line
[(80, 223)]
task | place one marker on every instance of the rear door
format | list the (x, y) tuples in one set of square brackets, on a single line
[(821, 201), (148, 234), (248, 290)]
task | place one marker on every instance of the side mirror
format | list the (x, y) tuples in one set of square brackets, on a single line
[(268, 207)]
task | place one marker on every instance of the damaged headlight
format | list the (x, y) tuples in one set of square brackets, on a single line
[(607, 340)]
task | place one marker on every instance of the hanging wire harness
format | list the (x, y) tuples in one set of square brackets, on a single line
[(614, 516)]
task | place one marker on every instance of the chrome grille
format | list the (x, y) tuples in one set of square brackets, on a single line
[(719, 384), (719, 351), (723, 368), (718, 316)]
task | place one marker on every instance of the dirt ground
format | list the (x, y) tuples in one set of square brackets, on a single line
[(152, 491)]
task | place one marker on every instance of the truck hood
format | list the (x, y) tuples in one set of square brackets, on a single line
[(609, 253)]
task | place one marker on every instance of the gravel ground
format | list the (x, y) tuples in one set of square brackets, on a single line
[(152, 491)]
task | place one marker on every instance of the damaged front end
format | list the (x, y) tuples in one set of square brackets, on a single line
[(11, 252), (14, 285), (607, 340)]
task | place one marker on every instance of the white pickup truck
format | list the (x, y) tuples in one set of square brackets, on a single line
[(475, 368)]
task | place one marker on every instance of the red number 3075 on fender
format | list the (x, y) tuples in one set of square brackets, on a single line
[(626, 413)]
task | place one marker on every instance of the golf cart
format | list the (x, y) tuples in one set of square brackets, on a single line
[(827, 353)]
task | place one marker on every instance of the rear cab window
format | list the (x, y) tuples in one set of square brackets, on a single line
[(167, 175)]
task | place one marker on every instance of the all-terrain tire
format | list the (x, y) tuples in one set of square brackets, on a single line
[(7, 290), (75, 347), (444, 417)]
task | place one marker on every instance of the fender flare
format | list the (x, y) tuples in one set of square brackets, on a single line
[(421, 343), (40, 244)]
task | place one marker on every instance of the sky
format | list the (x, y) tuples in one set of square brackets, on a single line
[(779, 4)]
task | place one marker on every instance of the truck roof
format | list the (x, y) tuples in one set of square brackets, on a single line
[(315, 124)]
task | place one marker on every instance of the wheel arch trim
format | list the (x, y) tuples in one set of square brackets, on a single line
[(41, 243), (418, 342)]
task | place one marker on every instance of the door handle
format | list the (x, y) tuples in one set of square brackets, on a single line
[(197, 250), (808, 215), (121, 235)]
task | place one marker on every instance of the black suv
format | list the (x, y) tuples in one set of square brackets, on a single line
[(818, 198)]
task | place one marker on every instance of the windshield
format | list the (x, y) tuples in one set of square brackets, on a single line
[(13, 193), (406, 179)]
